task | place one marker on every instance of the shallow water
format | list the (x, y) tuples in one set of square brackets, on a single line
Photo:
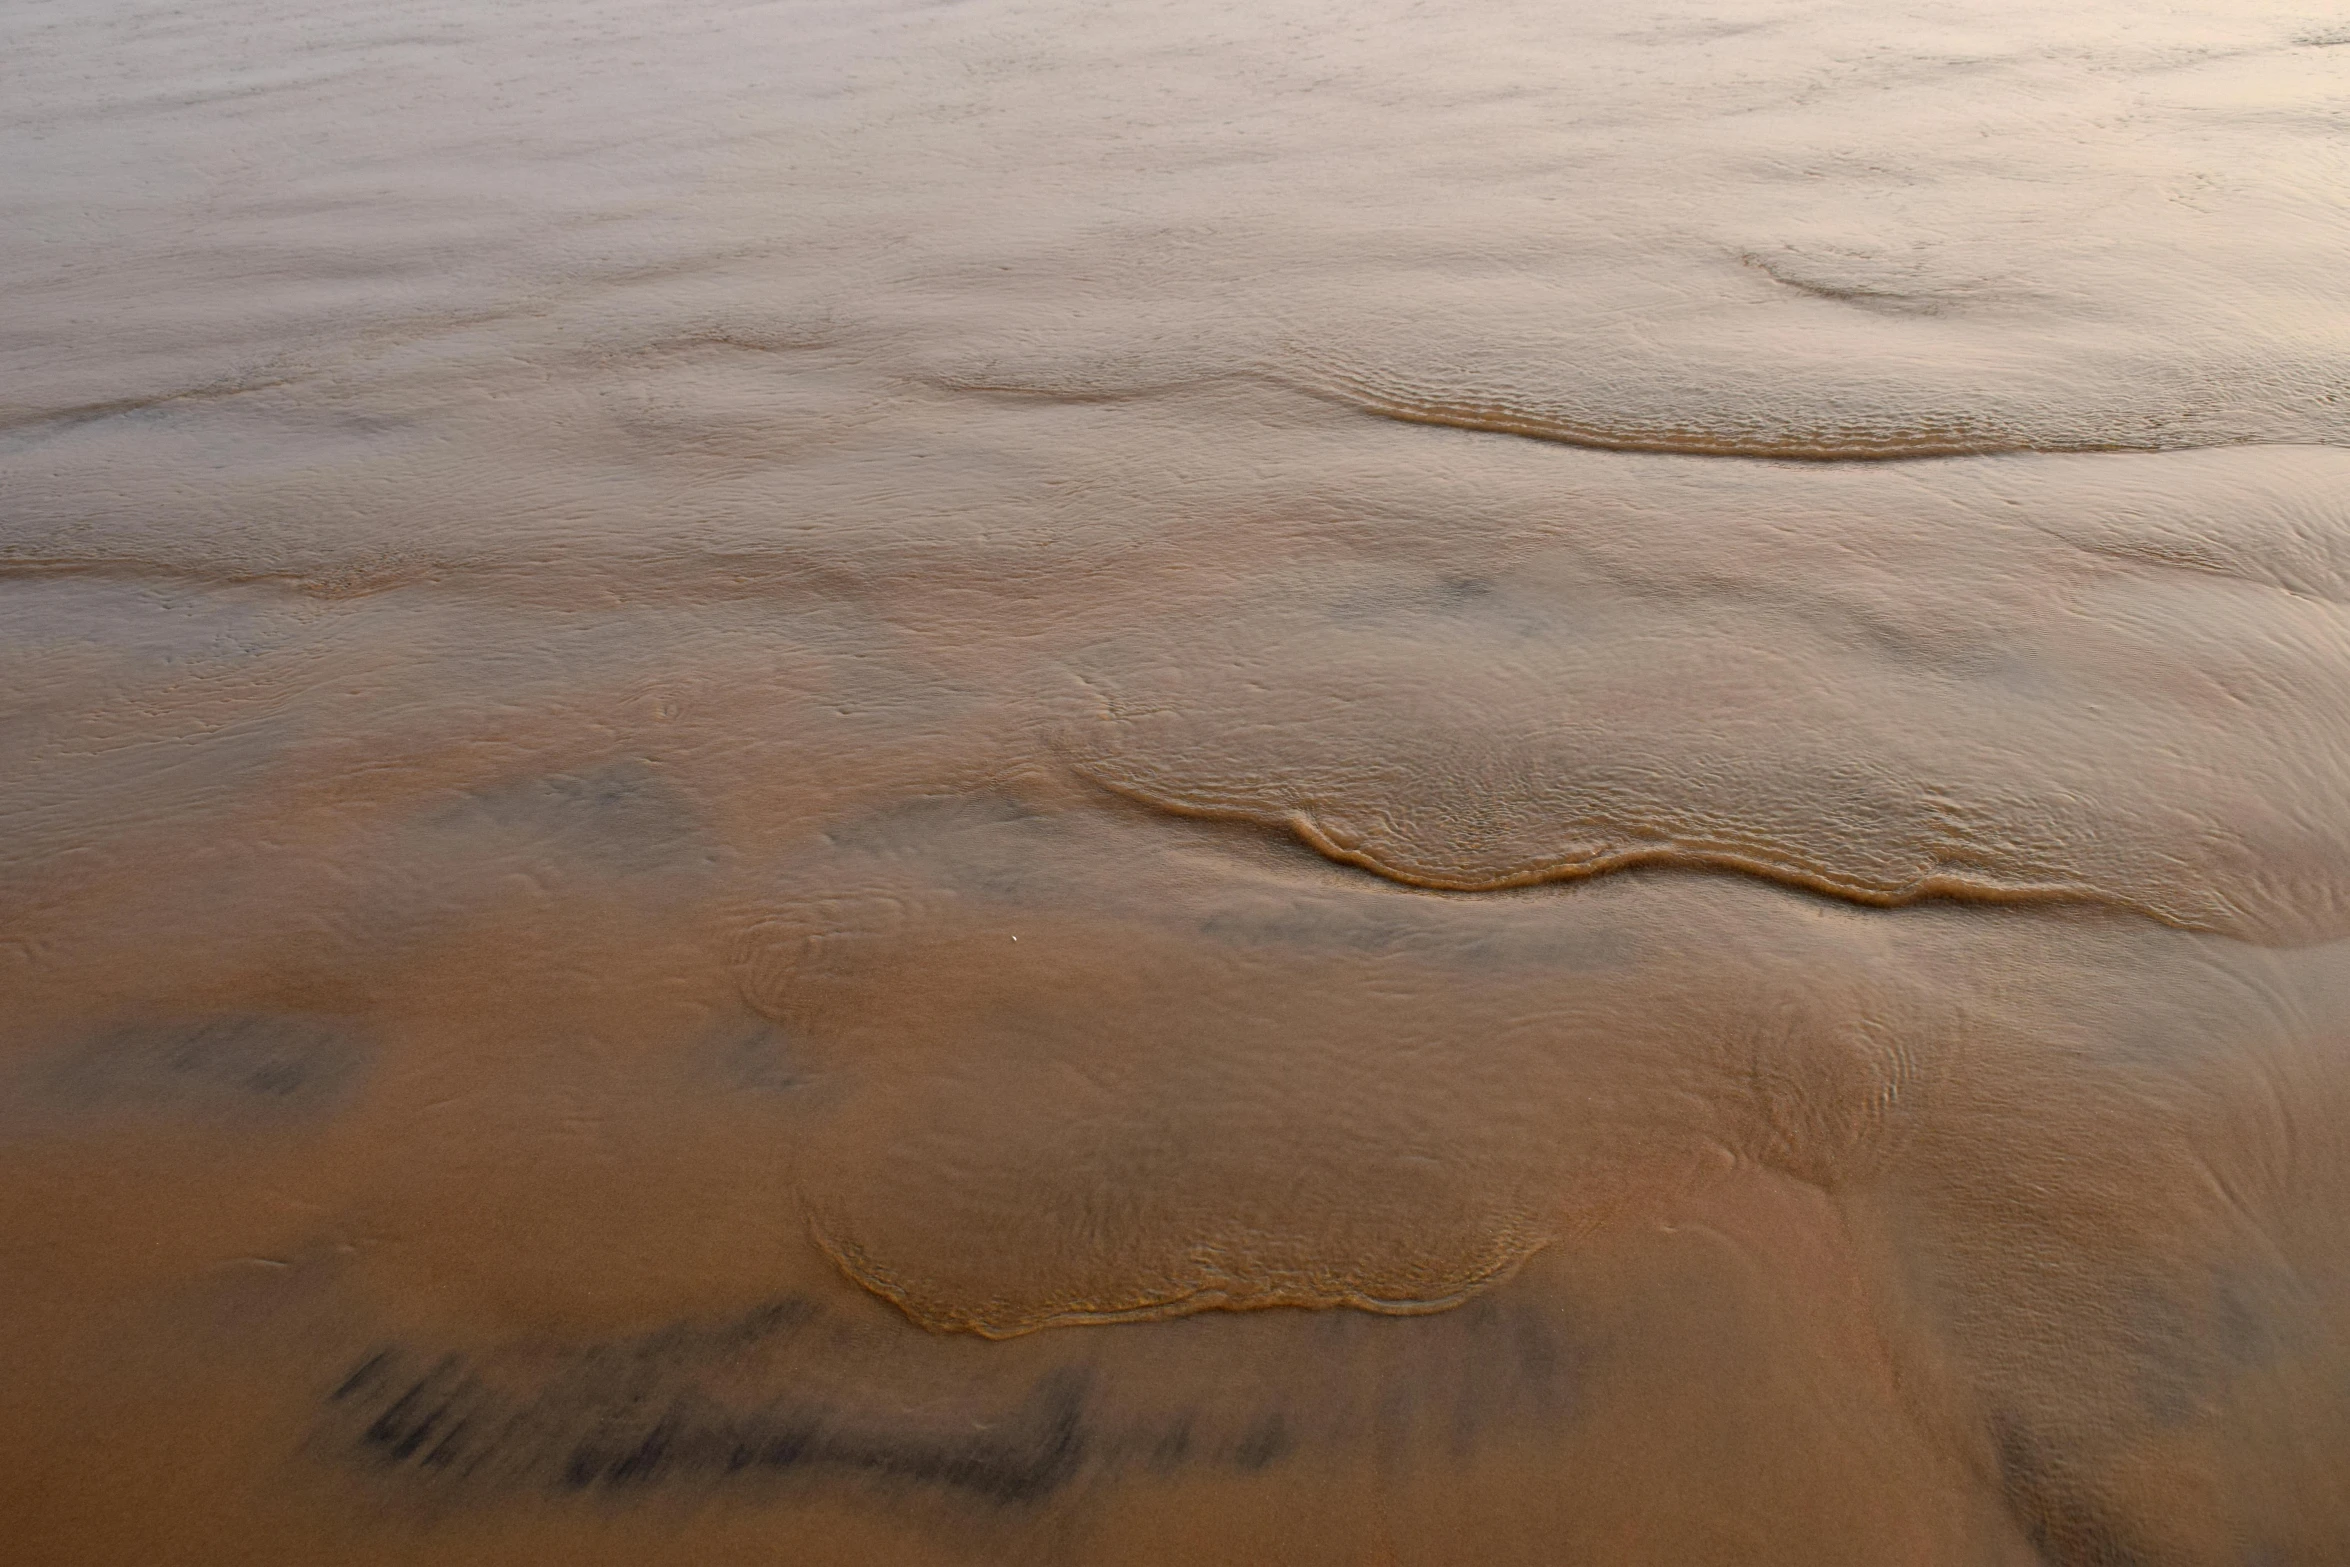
[(756, 753)]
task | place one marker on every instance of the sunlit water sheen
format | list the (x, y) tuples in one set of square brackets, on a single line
[(754, 753)]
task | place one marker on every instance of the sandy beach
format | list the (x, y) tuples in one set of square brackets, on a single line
[(1072, 786)]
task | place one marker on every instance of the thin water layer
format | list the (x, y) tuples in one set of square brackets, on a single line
[(1022, 783)]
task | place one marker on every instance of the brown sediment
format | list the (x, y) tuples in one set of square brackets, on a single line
[(1769, 436), (1219, 1278), (1954, 886), (768, 793)]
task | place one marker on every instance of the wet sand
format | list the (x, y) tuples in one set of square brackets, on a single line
[(1025, 783)]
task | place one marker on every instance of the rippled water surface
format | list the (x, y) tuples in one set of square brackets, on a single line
[(755, 752)]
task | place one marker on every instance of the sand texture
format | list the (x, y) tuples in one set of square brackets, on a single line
[(1032, 784)]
